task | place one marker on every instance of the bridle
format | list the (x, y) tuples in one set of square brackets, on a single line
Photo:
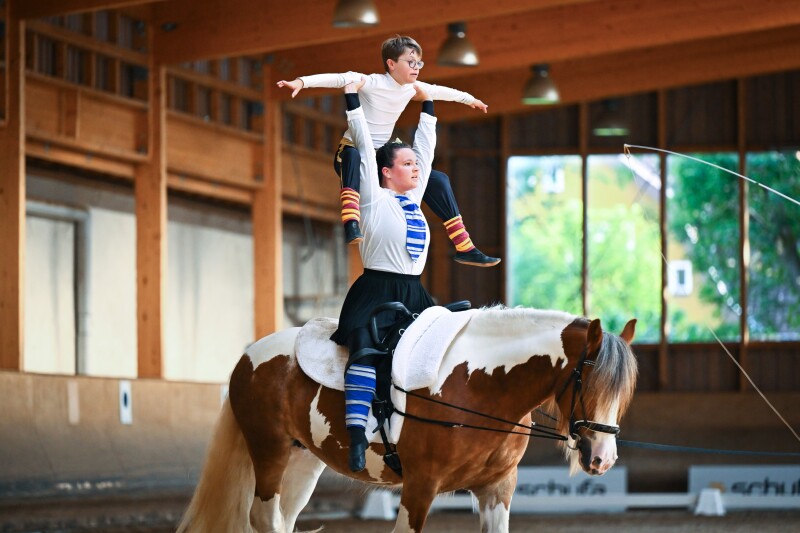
[(576, 379)]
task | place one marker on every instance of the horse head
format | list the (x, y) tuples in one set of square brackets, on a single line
[(593, 392)]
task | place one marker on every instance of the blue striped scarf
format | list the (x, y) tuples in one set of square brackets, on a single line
[(415, 227)]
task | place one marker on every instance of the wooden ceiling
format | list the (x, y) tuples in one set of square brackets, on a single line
[(596, 48)]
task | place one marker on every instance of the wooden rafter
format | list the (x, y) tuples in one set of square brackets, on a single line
[(628, 73), (560, 34), (215, 28), (33, 9)]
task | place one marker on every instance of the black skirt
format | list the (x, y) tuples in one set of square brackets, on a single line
[(375, 287)]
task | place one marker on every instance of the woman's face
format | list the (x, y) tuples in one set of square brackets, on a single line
[(404, 175)]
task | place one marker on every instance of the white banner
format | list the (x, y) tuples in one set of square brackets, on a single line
[(769, 480)]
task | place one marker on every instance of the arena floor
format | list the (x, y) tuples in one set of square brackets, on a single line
[(460, 522)]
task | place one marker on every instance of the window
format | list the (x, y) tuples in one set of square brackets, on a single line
[(703, 230), (624, 243), (774, 276), (545, 232)]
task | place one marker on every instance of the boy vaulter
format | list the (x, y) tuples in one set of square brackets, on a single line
[(383, 99)]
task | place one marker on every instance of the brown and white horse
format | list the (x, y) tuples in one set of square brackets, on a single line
[(505, 363)]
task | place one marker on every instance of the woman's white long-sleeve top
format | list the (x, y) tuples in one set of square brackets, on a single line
[(383, 99), (383, 220)]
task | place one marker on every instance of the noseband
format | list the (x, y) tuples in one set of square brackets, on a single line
[(577, 397)]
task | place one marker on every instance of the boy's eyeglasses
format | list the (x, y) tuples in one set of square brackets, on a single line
[(413, 63)]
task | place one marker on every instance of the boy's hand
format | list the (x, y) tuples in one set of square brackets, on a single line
[(355, 86), (295, 85), (421, 95), (477, 104)]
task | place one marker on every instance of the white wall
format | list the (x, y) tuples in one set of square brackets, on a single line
[(49, 296), (209, 316)]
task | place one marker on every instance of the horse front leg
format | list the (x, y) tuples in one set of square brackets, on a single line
[(415, 502), (495, 503)]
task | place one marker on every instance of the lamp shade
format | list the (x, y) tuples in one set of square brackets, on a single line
[(540, 89), (457, 51), (355, 13), (611, 122)]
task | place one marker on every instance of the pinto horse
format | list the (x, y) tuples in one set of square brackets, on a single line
[(279, 429)]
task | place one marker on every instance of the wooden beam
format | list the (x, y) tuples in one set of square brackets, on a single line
[(647, 70), (150, 186), (195, 29), (559, 34), (33, 9), (268, 224), (12, 199)]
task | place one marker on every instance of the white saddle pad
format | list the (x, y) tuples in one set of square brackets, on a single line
[(416, 360)]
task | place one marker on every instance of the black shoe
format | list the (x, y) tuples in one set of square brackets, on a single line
[(358, 448), (475, 258), (352, 233)]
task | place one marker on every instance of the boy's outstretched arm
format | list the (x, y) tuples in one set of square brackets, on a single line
[(440, 92), (294, 85)]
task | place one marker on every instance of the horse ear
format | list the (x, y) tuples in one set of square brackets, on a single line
[(594, 336), (629, 331)]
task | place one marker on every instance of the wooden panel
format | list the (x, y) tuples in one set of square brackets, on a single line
[(476, 186), (112, 126), (309, 178), (640, 113), (546, 128), (702, 115), (42, 108), (85, 120), (777, 124), (647, 360), (702, 367), (212, 152), (12, 203)]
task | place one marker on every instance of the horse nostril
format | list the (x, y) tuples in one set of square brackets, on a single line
[(597, 461)]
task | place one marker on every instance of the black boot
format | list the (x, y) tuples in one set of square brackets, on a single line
[(476, 258), (352, 233), (358, 448)]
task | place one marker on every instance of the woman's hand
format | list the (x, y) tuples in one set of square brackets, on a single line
[(294, 85), (354, 86), (421, 95)]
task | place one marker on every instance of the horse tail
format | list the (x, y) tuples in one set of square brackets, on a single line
[(224, 494)]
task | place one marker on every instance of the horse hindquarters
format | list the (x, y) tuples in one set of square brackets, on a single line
[(224, 494)]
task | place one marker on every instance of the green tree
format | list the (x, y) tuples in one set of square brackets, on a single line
[(704, 217), (774, 281)]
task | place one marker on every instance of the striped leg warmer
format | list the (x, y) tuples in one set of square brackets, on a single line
[(359, 388), (459, 234), (350, 205)]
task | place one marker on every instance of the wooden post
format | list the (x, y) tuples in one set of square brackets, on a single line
[(663, 344), (151, 231), (744, 231), (583, 148), (12, 199), (268, 221)]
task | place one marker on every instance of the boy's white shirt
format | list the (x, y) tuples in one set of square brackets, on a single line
[(383, 99), (382, 219)]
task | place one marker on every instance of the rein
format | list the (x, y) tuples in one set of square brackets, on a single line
[(544, 432), (534, 430)]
